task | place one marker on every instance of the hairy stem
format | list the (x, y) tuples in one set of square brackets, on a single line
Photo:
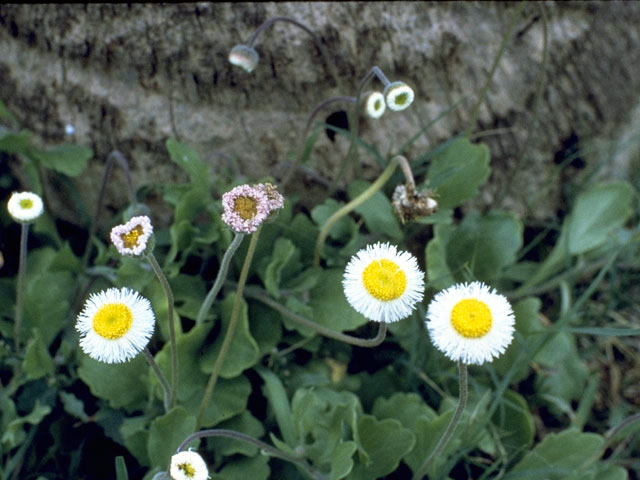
[(226, 343), (163, 380), (222, 274), (22, 270)]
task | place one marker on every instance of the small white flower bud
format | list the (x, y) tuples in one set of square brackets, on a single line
[(244, 56)]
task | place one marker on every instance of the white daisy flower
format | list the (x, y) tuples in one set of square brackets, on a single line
[(374, 105), (383, 284), (25, 207), (188, 465), (245, 208), (132, 237), (115, 325), (470, 322), (244, 56), (398, 96)]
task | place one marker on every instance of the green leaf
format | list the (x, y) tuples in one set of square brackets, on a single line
[(283, 262), (596, 213), (68, 159), (405, 407), (256, 468), (484, 244), (73, 406), (381, 445), (243, 351), (342, 228), (37, 361), (376, 212), (243, 423), (229, 399), (330, 306), (189, 160), (121, 469), (166, 433), (279, 402), (188, 294), (515, 423), (342, 461), (557, 456), (266, 327), (135, 433), (121, 384), (14, 434), (458, 172), (438, 272), (11, 142)]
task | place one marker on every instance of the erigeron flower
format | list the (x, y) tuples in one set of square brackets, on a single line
[(115, 325), (25, 207), (244, 56), (374, 105), (245, 208), (398, 96), (470, 322), (276, 201), (132, 237), (382, 283), (188, 465)]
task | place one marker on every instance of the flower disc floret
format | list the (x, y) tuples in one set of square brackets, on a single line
[(25, 207), (132, 237), (374, 105), (245, 208), (382, 283), (471, 323), (398, 96), (188, 465), (115, 325), (244, 56)]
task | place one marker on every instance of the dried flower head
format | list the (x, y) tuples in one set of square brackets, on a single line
[(245, 208), (410, 205), (244, 56), (276, 201), (374, 104), (398, 96), (25, 207), (470, 322), (132, 237), (115, 325)]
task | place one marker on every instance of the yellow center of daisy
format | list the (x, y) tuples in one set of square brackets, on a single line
[(246, 207), (113, 320), (401, 99), (130, 239), (471, 318), (377, 105), (26, 203), (187, 469), (384, 280)]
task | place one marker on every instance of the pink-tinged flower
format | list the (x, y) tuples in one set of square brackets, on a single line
[(132, 237), (276, 201), (245, 208)]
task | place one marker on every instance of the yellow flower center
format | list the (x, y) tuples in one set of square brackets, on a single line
[(246, 207), (113, 320), (377, 105), (471, 318), (384, 280), (188, 469), (26, 203), (401, 99), (130, 239)]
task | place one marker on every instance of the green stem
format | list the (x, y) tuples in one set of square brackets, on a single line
[(222, 274), (161, 377), (22, 269), (172, 331), (327, 332), (274, 452), (455, 419), (226, 343), (494, 67), (352, 205)]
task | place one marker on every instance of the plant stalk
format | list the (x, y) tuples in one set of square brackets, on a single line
[(163, 380), (22, 270)]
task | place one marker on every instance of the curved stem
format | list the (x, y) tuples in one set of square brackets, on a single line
[(222, 274), (319, 45), (172, 330), (324, 331), (274, 452), (161, 377), (453, 423), (352, 205), (496, 61), (114, 156), (22, 270), (305, 134), (226, 343)]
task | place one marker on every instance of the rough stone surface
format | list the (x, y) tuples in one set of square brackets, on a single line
[(131, 76)]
